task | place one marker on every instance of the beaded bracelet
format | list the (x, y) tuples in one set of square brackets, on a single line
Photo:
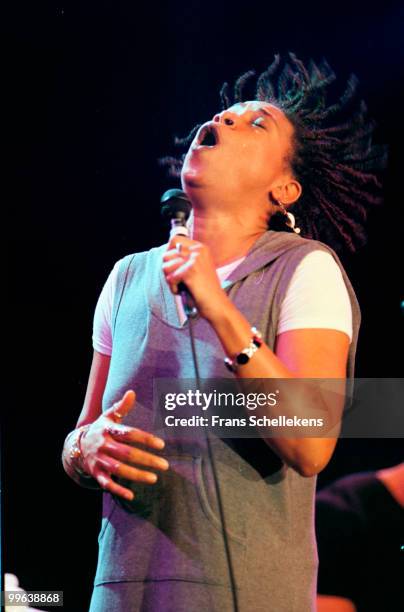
[(245, 355)]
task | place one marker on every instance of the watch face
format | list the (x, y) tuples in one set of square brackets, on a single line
[(242, 358)]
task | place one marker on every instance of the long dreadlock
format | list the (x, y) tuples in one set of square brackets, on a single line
[(332, 157)]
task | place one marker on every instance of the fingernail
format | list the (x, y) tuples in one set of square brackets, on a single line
[(159, 442)]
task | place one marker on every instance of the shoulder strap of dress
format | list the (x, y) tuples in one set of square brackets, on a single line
[(122, 279)]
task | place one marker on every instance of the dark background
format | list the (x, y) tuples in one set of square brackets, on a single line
[(97, 91)]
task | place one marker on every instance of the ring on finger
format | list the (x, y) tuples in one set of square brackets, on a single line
[(117, 415), (114, 431)]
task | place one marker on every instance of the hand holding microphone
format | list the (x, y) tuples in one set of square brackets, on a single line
[(176, 208), (188, 265)]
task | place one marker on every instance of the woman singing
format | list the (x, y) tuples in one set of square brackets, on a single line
[(289, 161)]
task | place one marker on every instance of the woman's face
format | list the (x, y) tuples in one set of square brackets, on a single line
[(243, 150)]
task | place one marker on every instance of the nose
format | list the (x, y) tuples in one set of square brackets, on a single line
[(225, 117)]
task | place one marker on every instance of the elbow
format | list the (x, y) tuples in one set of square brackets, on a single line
[(308, 469), (311, 461), (307, 456)]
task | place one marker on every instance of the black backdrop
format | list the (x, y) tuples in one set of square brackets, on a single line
[(97, 91)]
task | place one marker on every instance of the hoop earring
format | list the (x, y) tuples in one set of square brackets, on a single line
[(291, 221)]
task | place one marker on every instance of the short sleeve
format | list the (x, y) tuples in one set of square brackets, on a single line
[(102, 336), (316, 297)]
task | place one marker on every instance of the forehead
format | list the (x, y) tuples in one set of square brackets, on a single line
[(255, 105)]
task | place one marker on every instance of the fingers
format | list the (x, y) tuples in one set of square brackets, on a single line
[(172, 264), (172, 261), (113, 461), (106, 483), (178, 262), (182, 251), (133, 434), (117, 468), (122, 406), (179, 251), (128, 454), (110, 458), (180, 271), (184, 241)]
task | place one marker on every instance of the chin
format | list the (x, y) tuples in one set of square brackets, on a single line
[(190, 179)]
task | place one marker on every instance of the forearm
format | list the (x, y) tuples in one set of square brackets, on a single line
[(234, 333), (308, 455)]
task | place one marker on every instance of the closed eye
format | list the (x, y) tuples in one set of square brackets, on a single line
[(259, 122)]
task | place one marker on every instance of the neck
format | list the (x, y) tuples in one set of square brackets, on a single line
[(228, 230), (227, 239)]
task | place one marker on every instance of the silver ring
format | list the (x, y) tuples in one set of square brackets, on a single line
[(114, 431), (178, 247)]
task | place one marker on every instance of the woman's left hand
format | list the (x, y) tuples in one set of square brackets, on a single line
[(191, 262)]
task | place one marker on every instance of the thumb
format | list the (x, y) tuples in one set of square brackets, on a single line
[(122, 406)]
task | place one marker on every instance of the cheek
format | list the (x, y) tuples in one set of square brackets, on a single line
[(256, 165)]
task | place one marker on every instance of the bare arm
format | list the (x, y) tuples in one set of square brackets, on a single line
[(299, 354), (103, 455), (91, 410), (97, 381)]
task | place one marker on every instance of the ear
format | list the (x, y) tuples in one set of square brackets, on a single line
[(288, 192)]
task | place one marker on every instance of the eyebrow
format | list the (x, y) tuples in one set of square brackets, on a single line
[(268, 114)]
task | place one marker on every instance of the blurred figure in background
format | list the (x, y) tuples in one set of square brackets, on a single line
[(360, 538)]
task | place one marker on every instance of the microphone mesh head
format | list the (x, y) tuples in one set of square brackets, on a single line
[(175, 203)]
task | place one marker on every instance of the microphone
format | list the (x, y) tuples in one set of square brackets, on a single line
[(176, 208)]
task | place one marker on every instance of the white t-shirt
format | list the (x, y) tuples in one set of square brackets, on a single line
[(316, 297)]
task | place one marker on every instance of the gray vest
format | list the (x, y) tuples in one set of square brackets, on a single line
[(171, 531)]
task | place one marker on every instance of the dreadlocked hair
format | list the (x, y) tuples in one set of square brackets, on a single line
[(332, 155)]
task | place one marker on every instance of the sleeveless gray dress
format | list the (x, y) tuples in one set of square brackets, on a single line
[(164, 551)]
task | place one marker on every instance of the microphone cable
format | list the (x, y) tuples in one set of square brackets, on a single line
[(215, 476), (176, 208)]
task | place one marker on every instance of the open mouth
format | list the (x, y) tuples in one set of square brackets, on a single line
[(208, 137)]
